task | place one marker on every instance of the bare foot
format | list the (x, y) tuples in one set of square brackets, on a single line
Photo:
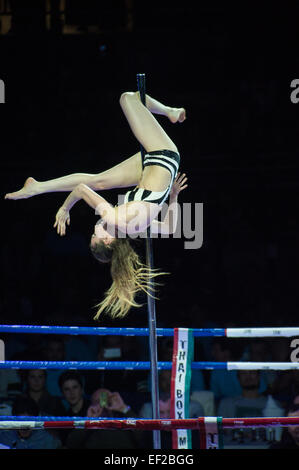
[(28, 190), (177, 115)]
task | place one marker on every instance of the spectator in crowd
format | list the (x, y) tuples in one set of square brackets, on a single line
[(71, 385), (225, 383), (72, 389), (249, 403), (28, 438), (290, 435), (35, 388), (105, 403)]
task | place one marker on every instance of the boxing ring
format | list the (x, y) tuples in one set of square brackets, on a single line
[(202, 424), (210, 428)]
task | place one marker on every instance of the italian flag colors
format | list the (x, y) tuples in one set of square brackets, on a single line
[(210, 428), (211, 435), (183, 354)]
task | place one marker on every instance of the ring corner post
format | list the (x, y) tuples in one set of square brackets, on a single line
[(151, 307)]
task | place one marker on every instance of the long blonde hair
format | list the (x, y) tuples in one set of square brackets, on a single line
[(129, 276)]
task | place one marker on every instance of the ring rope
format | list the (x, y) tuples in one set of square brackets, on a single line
[(147, 424), (197, 332), (142, 365), (79, 330), (56, 418)]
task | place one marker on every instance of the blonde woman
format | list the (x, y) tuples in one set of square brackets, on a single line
[(154, 180)]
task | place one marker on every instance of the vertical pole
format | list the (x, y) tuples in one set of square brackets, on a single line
[(151, 307)]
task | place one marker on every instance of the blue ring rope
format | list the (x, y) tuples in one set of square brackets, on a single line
[(104, 365), (86, 330)]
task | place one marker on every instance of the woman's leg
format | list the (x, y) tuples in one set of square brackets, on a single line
[(145, 127), (173, 114), (125, 174), (128, 173)]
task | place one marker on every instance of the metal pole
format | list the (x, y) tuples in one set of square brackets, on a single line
[(151, 307)]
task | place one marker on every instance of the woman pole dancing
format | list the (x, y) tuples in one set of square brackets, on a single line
[(154, 180)]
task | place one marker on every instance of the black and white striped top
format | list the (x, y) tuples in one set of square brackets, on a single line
[(166, 159)]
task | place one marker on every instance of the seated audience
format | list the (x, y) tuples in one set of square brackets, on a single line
[(105, 403), (35, 388), (249, 403), (28, 438)]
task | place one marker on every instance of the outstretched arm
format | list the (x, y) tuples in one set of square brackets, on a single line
[(82, 191)]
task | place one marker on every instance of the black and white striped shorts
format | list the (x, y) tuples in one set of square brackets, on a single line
[(166, 159)]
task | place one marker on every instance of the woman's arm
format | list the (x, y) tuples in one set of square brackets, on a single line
[(113, 216), (94, 200), (168, 226), (82, 191)]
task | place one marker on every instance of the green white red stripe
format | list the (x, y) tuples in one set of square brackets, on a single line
[(211, 435)]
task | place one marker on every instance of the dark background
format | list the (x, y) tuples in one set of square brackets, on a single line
[(230, 65)]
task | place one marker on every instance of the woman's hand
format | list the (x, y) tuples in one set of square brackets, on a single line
[(62, 217), (178, 184)]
